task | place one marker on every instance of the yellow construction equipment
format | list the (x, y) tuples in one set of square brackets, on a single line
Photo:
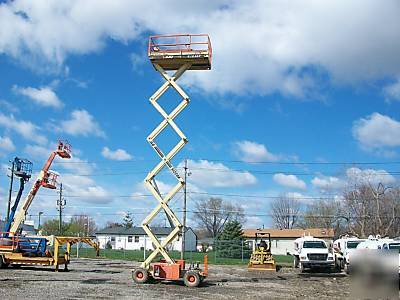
[(261, 258)]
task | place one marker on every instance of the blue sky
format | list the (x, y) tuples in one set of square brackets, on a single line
[(290, 83)]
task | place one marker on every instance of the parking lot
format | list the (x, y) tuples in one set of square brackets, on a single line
[(103, 279)]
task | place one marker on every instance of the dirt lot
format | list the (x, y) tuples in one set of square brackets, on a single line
[(112, 279)]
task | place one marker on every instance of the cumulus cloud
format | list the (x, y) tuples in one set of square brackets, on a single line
[(26, 129), (82, 123), (289, 181), (254, 152), (6, 144), (44, 96), (206, 174), (327, 182), (118, 154), (372, 176), (376, 131), (293, 43), (85, 189), (392, 91)]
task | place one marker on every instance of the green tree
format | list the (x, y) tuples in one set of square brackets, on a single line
[(50, 227), (128, 220), (81, 225), (230, 241)]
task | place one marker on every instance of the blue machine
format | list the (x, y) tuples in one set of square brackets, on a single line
[(22, 168)]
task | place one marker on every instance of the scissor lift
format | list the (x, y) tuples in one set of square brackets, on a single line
[(177, 53)]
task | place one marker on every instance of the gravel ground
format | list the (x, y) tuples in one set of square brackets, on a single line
[(103, 279)]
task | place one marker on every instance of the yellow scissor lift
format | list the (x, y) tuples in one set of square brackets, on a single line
[(177, 53)]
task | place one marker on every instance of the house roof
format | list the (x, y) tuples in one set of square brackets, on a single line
[(291, 233), (119, 230)]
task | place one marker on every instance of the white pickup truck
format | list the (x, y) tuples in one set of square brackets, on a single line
[(342, 249), (312, 253)]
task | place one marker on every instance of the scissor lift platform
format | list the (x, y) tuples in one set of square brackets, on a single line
[(172, 51)]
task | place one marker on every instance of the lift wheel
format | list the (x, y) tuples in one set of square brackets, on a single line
[(140, 275), (191, 279)]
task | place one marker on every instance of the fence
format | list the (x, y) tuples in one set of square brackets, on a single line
[(218, 251)]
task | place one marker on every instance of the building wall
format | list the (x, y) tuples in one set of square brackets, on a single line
[(139, 242)]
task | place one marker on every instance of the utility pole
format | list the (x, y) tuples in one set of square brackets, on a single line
[(10, 191), (61, 202), (186, 174), (40, 213)]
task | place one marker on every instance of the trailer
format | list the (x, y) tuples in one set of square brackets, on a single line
[(15, 252)]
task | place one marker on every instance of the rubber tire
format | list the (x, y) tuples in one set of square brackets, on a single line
[(295, 262), (302, 269), (191, 279), (346, 269), (2, 263), (140, 275)]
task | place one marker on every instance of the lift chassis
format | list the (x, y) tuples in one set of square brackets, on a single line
[(177, 53)]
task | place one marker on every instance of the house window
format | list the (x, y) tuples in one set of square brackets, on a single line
[(136, 239), (130, 239), (113, 239)]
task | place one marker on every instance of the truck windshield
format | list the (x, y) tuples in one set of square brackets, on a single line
[(394, 246), (353, 244), (314, 244)]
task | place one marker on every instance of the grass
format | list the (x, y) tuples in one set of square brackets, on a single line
[(137, 255)]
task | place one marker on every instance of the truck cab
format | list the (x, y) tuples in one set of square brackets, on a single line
[(311, 253), (342, 249)]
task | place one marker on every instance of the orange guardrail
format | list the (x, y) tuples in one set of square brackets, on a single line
[(179, 43)]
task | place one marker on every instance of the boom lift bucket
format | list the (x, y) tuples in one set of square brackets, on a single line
[(261, 258)]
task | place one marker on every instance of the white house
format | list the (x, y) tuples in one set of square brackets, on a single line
[(282, 240), (136, 239)]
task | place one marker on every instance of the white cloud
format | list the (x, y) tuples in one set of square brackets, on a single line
[(392, 91), (6, 144), (327, 182), (254, 152), (37, 151), (377, 131), (141, 189), (8, 106), (25, 128), (82, 123), (84, 189), (119, 154), (372, 176), (289, 181), (292, 44), (206, 174), (44, 96), (78, 165)]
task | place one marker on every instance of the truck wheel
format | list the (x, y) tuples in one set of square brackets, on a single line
[(2, 263), (295, 262), (191, 279), (347, 269), (302, 269), (140, 275)]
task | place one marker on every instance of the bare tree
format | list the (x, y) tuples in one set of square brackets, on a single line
[(327, 214), (373, 209), (213, 213), (285, 212)]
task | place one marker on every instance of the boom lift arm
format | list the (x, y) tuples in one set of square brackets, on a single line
[(46, 179), (22, 169)]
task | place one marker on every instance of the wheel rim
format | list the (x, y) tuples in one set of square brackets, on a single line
[(192, 278), (139, 275)]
